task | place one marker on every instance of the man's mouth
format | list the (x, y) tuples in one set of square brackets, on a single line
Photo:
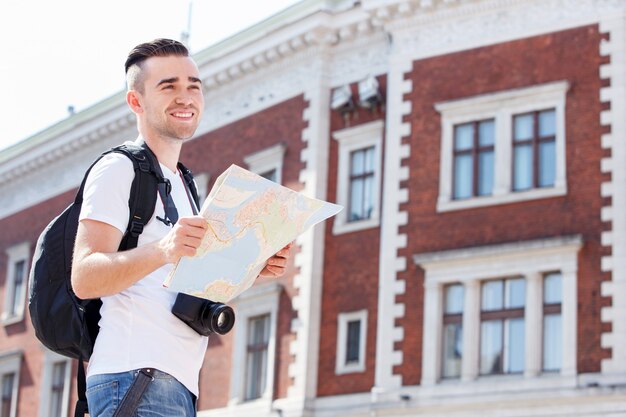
[(182, 115)]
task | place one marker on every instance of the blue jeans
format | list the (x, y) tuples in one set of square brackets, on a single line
[(164, 397)]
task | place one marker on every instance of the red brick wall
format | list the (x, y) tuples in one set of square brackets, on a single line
[(350, 276), (571, 55), (213, 153)]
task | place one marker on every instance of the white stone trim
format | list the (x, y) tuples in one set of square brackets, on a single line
[(501, 107), (391, 240), (310, 259), (352, 139), (51, 359), (614, 214), (16, 253), (258, 300), (342, 340), (11, 362), (268, 159), (474, 265)]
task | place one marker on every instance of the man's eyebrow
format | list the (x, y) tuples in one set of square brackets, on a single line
[(195, 80), (167, 81)]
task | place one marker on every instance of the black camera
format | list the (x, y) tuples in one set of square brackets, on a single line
[(204, 316)]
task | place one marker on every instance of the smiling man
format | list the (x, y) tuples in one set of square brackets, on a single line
[(139, 336)]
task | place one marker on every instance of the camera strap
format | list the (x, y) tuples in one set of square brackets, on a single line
[(131, 399)]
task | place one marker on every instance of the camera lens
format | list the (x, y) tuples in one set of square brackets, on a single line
[(222, 318)]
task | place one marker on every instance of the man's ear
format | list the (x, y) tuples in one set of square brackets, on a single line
[(132, 98)]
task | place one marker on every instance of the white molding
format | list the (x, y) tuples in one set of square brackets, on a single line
[(16, 253), (615, 141), (11, 362), (268, 159), (350, 140), (50, 359), (501, 107), (473, 265), (342, 340)]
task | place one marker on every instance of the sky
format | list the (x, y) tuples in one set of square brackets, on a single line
[(60, 53)]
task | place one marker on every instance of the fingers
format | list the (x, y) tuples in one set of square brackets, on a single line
[(184, 238), (277, 264)]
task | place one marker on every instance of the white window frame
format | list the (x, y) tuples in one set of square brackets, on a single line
[(352, 139), (268, 159), (474, 266), (501, 107), (342, 340), (15, 254), (11, 362), (50, 359), (256, 301)]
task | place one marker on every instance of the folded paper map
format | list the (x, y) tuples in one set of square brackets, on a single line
[(250, 218)]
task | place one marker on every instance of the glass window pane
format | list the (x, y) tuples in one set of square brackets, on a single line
[(18, 288), (463, 176), (514, 357), (492, 295), (552, 342), (485, 173), (523, 175), (464, 137), (552, 292), (452, 350), (523, 125), (547, 123), (356, 200), (490, 347), (7, 394), (547, 164), (353, 342), (486, 133), (369, 159), (368, 197), (357, 162), (454, 299), (515, 293), (270, 175)]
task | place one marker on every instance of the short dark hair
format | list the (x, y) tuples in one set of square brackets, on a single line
[(157, 47), (136, 57)]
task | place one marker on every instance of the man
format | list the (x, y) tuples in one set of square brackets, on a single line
[(137, 329)]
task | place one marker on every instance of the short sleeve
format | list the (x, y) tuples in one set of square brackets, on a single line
[(107, 190)]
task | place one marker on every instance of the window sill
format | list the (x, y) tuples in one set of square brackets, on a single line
[(445, 204), (9, 320), (341, 227)]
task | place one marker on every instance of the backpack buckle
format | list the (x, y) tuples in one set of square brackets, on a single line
[(136, 228)]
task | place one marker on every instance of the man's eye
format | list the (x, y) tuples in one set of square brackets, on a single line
[(168, 86)]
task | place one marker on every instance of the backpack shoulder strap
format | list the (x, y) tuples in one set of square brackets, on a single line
[(190, 183), (143, 193)]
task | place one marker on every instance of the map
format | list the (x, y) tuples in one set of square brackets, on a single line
[(250, 218)]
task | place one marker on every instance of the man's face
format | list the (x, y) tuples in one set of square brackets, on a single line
[(172, 99)]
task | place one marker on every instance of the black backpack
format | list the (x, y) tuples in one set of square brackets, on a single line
[(63, 322)]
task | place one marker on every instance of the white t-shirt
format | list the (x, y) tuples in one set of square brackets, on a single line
[(137, 328)]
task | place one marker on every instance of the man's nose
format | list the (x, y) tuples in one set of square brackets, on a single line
[(184, 100)]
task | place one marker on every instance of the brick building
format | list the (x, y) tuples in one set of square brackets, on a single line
[(480, 265)]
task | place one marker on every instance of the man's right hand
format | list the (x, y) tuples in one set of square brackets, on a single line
[(184, 238)]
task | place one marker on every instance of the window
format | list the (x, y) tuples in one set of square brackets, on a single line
[(534, 150), (359, 177), (254, 352), (552, 322), (491, 312), (10, 364), (503, 147), (452, 331), (473, 159), (256, 361), (351, 340), (268, 162), (55, 385), (502, 326), (361, 205), (17, 275)]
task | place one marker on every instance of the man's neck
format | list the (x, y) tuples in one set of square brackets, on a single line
[(166, 151)]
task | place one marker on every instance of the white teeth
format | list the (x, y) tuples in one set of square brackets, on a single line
[(182, 114)]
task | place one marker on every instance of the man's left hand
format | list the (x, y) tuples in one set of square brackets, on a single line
[(276, 265)]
